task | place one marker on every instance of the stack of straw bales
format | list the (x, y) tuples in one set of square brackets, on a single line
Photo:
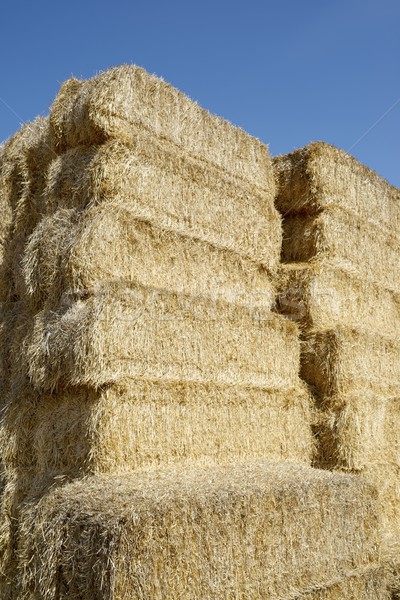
[(340, 282), (146, 383)]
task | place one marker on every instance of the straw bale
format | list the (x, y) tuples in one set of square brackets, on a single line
[(320, 295), (342, 360), (142, 424), (345, 240), (321, 176), (125, 100), (243, 531), (358, 433), (148, 333), (358, 430), (71, 252), (172, 191)]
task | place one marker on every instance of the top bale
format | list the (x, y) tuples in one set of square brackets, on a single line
[(123, 100), (319, 176)]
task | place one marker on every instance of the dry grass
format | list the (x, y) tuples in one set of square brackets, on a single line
[(148, 333), (346, 360), (126, 100), (321, 295), (320, 177), (71, 252), (228, 532), (172, 190), (346, 241)]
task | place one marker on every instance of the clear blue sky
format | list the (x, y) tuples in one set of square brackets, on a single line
[(287, 72)]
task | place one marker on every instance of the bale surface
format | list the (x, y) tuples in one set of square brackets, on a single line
[(171, 190), (321, 176), (321, 295), (142, 424), (345, 240), (345, 360), (245, 531), (148, 333), (71, 252), (126, 100)]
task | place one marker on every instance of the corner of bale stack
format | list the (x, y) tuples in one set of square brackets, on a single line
[(24, 162), (233, 534)]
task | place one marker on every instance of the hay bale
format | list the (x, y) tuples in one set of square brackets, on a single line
[(148, 333), (173, 191), (358, 430), (346, 241), (71, 252), (358, 433), (320, 177), (344, 360), (126, 100), (141, 424), (321, 295), (244, 531)]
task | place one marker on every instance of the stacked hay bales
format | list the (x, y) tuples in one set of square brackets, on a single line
[(151, 270), (340, 282), (145, 374), (139, 268)]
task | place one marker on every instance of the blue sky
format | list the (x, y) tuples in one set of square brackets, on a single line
[(287, 72)]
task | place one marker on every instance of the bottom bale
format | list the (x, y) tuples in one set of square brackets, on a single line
[(255, 530)]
